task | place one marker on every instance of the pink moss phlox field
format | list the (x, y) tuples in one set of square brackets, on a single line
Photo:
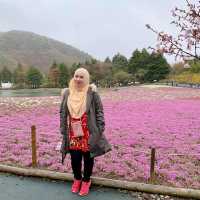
[(137, 119)]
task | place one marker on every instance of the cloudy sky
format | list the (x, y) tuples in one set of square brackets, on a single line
[(99, 27)]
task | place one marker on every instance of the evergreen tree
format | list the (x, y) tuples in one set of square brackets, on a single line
[(87, 62), (73, 68), (33, 77), (158, 68), (19, 76), (140, 75), (108, 79), (54, 75), (6, 75), (107, 60), (138, 61), (93, 61), (64, 75), (119, 62)]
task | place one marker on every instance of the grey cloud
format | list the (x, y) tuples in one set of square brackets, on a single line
[(99, 27)]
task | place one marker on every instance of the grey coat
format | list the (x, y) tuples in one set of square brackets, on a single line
[(96, 125)]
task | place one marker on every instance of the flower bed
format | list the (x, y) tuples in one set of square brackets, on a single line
[(137, 118)]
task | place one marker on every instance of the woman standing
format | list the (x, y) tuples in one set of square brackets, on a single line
[(82, 126)]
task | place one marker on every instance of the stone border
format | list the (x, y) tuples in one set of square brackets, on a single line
[(134, 186)]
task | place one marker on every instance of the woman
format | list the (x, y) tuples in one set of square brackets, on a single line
[(82, 126)]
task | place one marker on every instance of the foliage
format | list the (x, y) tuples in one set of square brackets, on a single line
[(157, 68), (122, 77), (54, 75), (107, 60), (178, 68), (64, 75), (6, 75), (138, 60), (147, 67), (73, 68), (19, 76), (187, 77), (33, 77), (195, 66), (119, 62)]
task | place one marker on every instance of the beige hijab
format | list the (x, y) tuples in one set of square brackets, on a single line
[(77, 97)]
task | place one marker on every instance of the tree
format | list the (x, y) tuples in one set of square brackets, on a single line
[(63, 75), (6, 75), (19, 76), (140, 75), (73, 68), (195, 66), (33, 77), (178, 68), (87, 62), (97, 71), (158, 68), (108, 79), (54, 75), (93, 61), (138, 61), (119, 62), (122, 77), (187, 42), (107, 60)]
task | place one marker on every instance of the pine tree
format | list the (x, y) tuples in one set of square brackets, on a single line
[(54, 75), (157, 67), (63, 75), (138, 61), (120, 62), (6, 75), (19, 76), (34, 77), (107, 60)]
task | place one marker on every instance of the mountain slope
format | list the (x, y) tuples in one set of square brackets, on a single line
[(31, 49)]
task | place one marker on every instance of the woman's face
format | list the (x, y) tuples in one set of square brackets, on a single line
[(79, 80)]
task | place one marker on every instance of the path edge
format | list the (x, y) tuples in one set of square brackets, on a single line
[(132, 186)]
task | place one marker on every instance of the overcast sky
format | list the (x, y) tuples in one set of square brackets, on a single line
[(99, 27)]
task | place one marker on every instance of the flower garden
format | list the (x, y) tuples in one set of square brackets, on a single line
[(137, 119)]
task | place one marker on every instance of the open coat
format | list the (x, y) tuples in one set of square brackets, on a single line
[(96, 124)]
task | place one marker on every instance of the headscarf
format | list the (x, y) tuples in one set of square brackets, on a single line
[(77, 96)]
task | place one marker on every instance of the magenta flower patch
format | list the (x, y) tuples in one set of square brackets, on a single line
[(137, 119)]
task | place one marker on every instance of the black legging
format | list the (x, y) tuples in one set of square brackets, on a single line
[(76, 163)]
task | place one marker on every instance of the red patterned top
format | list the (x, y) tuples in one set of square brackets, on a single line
[(79, 143)]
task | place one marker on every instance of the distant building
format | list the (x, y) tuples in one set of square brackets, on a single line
[(186, 66), (6, 85)]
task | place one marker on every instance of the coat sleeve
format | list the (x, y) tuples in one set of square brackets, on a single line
[(63, 120), (99, 112)]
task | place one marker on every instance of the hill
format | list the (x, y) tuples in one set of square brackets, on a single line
[(31, 49)]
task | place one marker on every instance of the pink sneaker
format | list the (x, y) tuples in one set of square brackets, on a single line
[(76, 186), (85, 186)]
